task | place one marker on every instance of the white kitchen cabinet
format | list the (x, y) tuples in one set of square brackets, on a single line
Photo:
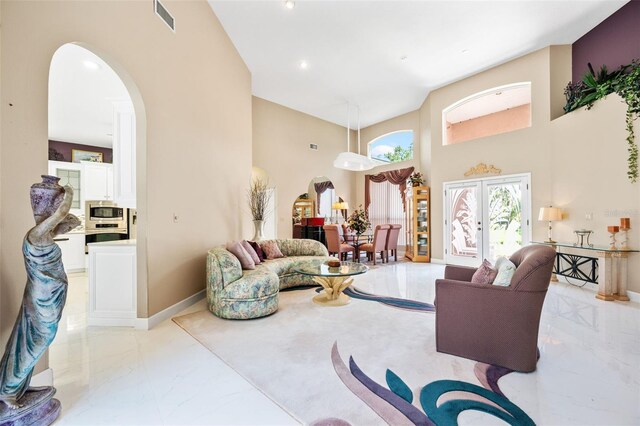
[(97, 181), (124, 154), (73, 256), (112, 283), (70, 174)]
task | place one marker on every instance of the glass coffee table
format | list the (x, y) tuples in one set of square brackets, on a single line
[(333, 279)]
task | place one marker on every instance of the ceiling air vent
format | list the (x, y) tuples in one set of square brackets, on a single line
[(313, 146), (164, 14)]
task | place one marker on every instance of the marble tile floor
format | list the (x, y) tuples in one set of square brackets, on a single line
[(588, 372)]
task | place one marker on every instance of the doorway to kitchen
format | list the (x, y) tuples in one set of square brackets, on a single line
[(93, 148), (486, 218)]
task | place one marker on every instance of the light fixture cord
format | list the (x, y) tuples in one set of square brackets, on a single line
[(358, 129), (348, 123)]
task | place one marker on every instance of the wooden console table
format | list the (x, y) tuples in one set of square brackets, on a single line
[(608, 268)]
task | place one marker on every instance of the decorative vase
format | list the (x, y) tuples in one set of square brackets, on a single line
[(259, 227), (46, 197)]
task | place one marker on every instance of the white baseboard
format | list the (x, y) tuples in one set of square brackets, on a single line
[(112, 322), (587, 286), (438, 261), (633, 296), (43, 378), (149, 323)]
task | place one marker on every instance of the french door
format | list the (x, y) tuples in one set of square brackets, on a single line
[(486, 218)]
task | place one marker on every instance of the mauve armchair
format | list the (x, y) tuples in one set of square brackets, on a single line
[(493, 324)]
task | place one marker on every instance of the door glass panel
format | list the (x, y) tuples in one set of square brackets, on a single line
[(71, 178), (463, 219), (505, 219)]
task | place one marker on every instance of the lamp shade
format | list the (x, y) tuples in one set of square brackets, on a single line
[(344, 205), (352, 161), (336, 205), (550, 214)]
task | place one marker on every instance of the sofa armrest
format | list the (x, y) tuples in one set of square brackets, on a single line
[(459, 273)]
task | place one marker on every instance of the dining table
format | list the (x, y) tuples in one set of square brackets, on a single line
[(357, 240)]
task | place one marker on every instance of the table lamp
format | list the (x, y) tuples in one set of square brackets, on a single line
[(336, 206), (550, 214)]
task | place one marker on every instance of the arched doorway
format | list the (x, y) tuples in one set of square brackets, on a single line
[(97, 143)]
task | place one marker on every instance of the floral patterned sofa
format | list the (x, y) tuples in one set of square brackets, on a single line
[(236, 294)]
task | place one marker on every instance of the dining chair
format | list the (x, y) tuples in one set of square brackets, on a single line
[(392, 241), (378, 244), (347, 233), (335, 244)]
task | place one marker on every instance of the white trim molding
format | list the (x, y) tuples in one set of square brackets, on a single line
[(633, 296), (152, 321), (43, 378)]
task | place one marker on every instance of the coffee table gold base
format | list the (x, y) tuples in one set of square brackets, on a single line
[(333, 288)]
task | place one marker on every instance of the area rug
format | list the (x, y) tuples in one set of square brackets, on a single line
[(297, 357)]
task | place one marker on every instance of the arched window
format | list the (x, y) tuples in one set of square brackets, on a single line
[(490, 112), (392, 147)]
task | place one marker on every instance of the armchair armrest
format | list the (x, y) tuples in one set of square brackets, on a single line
[(492, 324), (459, 273)]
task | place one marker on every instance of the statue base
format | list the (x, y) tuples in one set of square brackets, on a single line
[(39, 408)]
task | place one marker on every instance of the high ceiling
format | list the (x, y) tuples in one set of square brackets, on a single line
[(82, 89), (385, 56)]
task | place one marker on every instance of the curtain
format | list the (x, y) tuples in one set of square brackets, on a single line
[(320, 187), (396, 177), (386, 207)]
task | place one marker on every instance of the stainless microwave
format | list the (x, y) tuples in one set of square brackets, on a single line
[(101, 215)]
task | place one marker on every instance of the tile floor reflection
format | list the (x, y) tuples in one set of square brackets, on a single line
[(587, 374)]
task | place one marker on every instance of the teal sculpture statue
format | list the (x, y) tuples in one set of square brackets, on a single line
[(44, 298)]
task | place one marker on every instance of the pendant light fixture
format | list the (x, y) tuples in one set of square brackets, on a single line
[(350, 160)]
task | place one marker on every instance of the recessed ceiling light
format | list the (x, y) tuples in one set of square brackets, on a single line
[(304, 65), (90, 65), (498, 93), (289, 4), (465, 50), (403, 57)]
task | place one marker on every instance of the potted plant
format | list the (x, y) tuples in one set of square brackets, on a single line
[(258, 197), (416, 179), (359, 221), (625, 81)]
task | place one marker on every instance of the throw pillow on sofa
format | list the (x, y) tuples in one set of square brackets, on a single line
[(258, 250), (506, 270), (271, 250), (251, 251), (238, 251), (485, 273)]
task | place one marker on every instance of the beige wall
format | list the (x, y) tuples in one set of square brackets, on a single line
[(197, 162), (281, 138), (521, 151), (577, 161), (491, 124), (409, 121)]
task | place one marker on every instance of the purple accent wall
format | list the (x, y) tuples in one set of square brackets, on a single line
[(614, 42), (64, 148)]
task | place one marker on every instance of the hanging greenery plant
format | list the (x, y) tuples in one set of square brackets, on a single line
[(625, 81)]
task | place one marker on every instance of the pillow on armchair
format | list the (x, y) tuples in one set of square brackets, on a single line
[(506, 269), (485, 274)]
